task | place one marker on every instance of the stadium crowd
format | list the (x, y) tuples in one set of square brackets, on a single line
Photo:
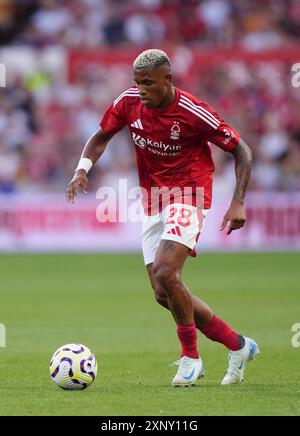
[(45, 119), (254, 24)]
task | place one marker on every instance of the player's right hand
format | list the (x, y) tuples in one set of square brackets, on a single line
[(79, 180)]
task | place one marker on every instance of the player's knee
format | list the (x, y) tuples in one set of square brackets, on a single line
[(161, 298), (166, 277)]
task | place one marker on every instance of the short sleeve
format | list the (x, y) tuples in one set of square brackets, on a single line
[(215, 130), (113, 120)]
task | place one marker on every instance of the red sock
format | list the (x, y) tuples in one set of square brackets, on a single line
[(218, 331), (187, 335)]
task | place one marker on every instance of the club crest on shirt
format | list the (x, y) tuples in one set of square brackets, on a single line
[(175, 131)]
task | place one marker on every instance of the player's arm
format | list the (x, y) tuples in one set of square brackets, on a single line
[(236, 215), (92, 151)]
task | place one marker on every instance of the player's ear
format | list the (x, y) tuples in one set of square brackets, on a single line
[(169, 77)]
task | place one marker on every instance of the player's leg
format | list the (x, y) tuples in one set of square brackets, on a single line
[(205, 320), (241, 349), (167, 268), (202, 312), (183, 223), (155, 228)]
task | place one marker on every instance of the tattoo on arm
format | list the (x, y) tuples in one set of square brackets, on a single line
[(243, 163), (168, 246)]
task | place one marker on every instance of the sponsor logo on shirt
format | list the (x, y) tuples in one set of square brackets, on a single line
[(156, 147), (138, 140)]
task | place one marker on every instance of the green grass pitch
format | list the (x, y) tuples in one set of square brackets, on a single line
[(106, 303)]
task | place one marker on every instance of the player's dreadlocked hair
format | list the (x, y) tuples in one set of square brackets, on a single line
[(152, 59)]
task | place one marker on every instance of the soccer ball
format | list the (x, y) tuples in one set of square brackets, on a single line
[(73, 367)]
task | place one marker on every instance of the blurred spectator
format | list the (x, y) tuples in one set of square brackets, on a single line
[(274, 139), (254, 24), (143, 27)]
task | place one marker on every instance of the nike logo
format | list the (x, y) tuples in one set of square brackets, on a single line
[(189, 377), (241, 366)]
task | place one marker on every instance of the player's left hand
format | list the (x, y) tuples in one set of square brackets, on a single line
[(236, 216)]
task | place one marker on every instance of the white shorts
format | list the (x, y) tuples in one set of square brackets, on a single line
[(178, 222)]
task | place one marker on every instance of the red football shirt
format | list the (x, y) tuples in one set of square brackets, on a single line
[(173, 144)]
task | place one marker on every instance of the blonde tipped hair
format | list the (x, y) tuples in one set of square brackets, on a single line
[(151, 59)]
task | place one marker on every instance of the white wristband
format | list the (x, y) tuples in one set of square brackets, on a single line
[(84, 164)]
